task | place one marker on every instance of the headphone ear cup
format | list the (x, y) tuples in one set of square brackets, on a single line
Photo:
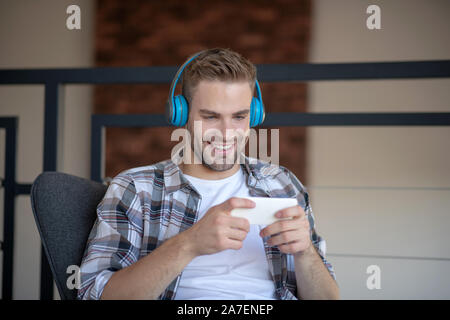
[(180, 111), (184, 110), (176, 111), (252, 113), (262, 113), (256, 112)]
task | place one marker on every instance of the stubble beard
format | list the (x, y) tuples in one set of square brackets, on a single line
[(226, 162)]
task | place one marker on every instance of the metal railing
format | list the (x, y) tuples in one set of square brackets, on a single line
[(55, 79)]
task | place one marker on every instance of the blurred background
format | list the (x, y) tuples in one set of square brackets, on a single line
[(381, 195)]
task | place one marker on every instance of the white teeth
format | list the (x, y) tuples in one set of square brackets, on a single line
[(223, 147)]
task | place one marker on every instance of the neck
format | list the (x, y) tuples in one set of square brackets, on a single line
[(203, 172)]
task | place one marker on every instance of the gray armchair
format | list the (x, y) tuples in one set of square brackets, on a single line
[(64, 207)]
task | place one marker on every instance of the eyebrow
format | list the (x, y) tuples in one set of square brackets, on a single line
[(209, 112)]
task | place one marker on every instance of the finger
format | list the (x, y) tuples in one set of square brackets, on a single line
[(281, 226), (233, 244), (285, 237), (235, 202), (239, 223), (291, 212), (236, 234), (293, 247)]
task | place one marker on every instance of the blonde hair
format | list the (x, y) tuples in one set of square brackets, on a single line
[(217, 64)]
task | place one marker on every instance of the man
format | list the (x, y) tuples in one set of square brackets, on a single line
[(165, 230)]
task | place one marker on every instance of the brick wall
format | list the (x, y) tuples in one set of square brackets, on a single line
[(147, 33)]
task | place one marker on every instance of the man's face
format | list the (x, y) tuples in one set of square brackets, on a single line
[(223, 109)]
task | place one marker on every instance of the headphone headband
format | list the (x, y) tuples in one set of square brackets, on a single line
[(177, 106), (178, 75)]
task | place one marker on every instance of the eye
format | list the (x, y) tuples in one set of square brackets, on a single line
[(209, 117), (239, 117)]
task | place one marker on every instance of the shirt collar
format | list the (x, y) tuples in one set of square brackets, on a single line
[(174, 178)]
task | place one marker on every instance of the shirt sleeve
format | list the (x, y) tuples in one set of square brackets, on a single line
[(318, 242), (115, 239)]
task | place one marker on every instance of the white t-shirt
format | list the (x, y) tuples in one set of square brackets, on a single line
[(230, 274)]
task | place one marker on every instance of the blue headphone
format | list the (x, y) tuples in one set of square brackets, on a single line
[(177, 108)]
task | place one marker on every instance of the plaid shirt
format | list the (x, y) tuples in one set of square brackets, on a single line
[(145, 206)]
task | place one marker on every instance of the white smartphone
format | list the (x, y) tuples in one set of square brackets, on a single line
[(264, 211)]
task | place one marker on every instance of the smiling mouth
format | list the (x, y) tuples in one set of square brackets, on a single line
[(222, 148)]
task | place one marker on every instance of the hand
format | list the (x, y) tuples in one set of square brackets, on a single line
[(218, 230), (291, 236)]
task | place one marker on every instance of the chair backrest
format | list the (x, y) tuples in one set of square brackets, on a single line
[(64, 207)]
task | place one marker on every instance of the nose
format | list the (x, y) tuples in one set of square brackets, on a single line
[(227, 128), (224, 125)]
